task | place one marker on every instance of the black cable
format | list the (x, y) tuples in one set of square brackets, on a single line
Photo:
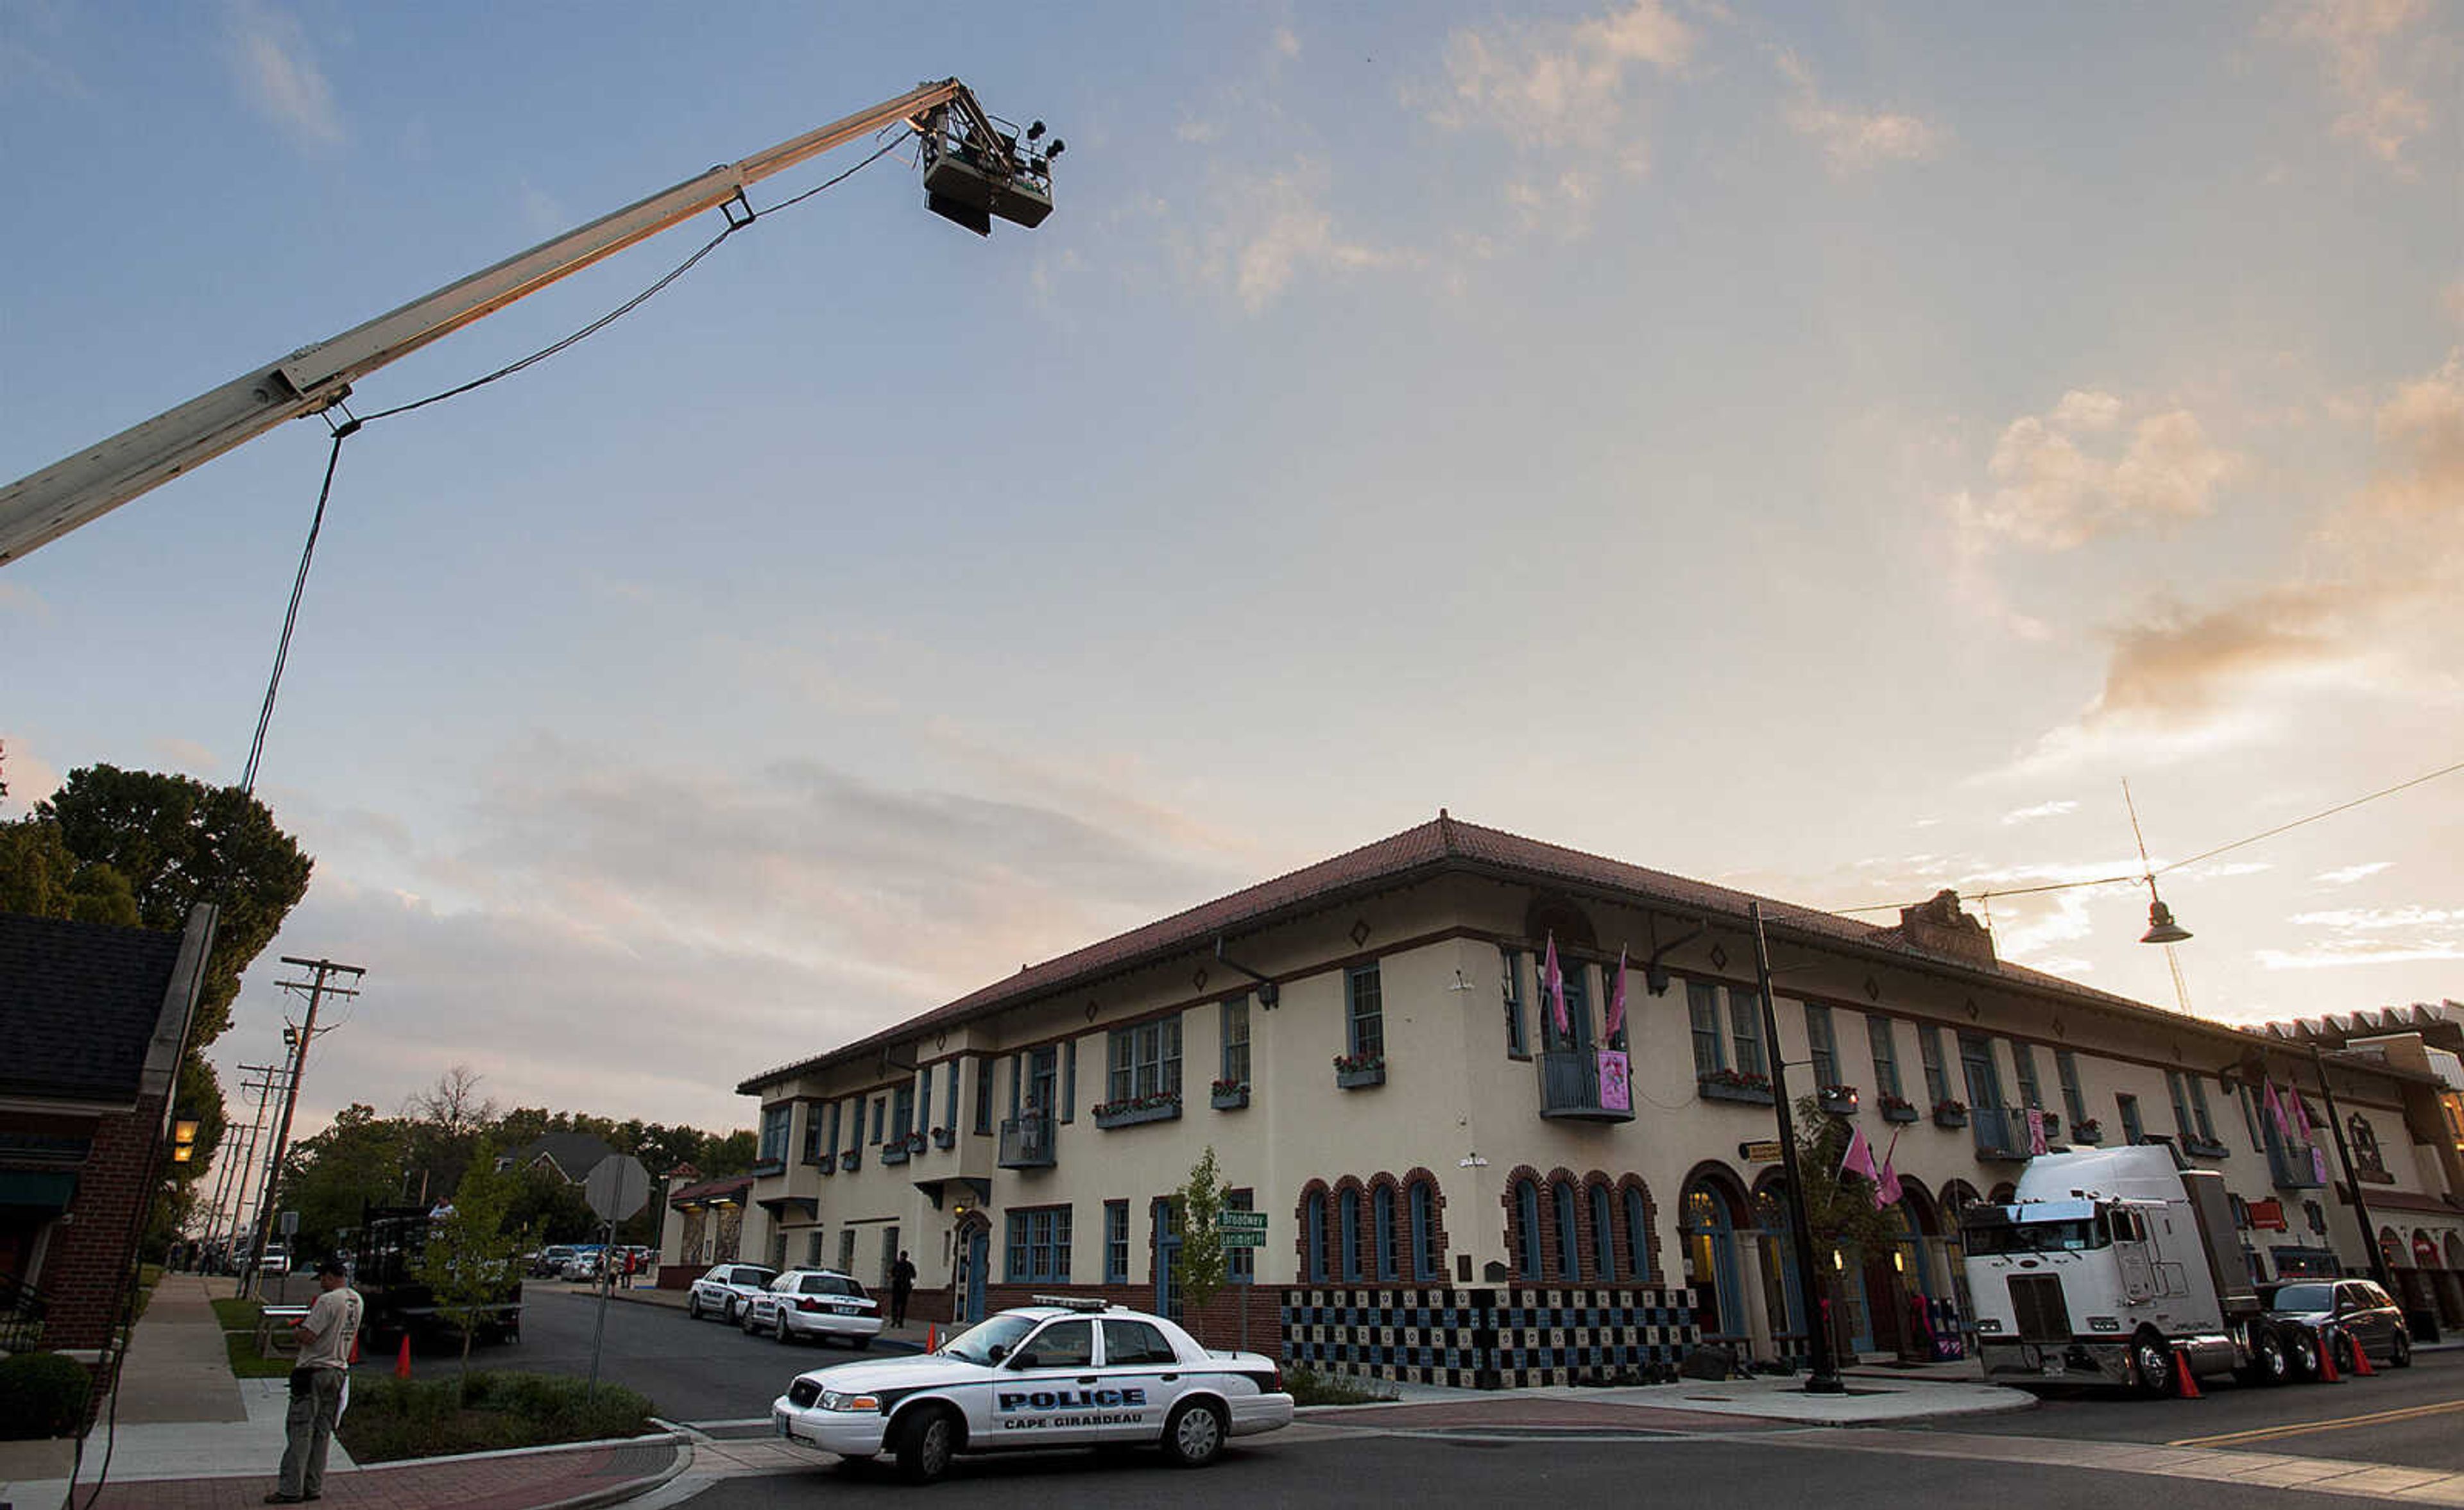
[(291, 618)]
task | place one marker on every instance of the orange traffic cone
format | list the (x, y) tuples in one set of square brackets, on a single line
[(2184, 1384), (402, 1362), (932, 1338), (2328, 1373), (355, 1350), (2360, 1359)]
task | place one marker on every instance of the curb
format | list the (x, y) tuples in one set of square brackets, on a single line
[(631, 1488)]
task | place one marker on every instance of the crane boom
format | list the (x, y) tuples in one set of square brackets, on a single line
[(43, 507)]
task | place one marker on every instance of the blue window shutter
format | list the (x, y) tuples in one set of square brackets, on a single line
[(1068, 1079), (1016, 1063)]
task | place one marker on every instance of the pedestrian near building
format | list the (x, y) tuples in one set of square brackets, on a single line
[(902, 1284), (317, 1384)]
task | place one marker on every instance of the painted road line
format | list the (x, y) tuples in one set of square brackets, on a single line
[(2260, 1433)]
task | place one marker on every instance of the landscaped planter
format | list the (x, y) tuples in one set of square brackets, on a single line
[(1357, 1079), (1729, 1090), (1232, 1100), (1132, 1116)]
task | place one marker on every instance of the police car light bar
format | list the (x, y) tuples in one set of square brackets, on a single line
[(1072, 1302)]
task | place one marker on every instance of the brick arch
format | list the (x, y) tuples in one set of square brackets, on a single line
[(1419, 1174), (1300, 1231), (1646, 1263), (1553, 1239)]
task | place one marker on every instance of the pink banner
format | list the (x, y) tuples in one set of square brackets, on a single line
[(1617, 1083)]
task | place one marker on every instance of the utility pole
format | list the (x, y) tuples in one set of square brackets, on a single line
[(2352, 1180), (1824, 1377), (230, 1184), (319, 989)]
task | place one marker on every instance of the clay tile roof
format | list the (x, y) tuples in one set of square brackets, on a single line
[(1445, 842)]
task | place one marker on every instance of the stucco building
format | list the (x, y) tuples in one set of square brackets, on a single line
[(1457, 1186)]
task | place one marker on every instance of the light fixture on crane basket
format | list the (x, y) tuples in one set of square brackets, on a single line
[(975, 171)]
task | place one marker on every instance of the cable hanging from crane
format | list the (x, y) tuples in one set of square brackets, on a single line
[(352, 426)]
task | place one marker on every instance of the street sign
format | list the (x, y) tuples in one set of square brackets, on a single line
[(617, 1187), (1241, 1221), (1237, 1238), (289, 1224), (1766, 1151)]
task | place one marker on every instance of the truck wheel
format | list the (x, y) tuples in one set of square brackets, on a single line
[(2269, 1363), (924, 1448), (2153, 1362)]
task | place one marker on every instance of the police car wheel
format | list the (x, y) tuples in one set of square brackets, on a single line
[(785, 1335), (927, 1444), (752, 1324), (1194, 1435), (693, 1307)]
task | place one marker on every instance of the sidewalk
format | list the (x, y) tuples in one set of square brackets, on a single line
[(190, 1437), (1689, 1405)]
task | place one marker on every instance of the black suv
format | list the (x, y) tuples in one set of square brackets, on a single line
[(2356, 1307)]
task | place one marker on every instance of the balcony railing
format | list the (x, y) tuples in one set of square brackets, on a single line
[(1570, 1088), (1026, 1141), (2000, 1132), (2290, 1164), (21, 1315)]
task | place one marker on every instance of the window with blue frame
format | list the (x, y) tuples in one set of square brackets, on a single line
[(1349, 1225), (813, 1130), (1823, 1047), (1382, 1222), (1604, 1232), (1236, 1041), (1703, 1011), (1424, 1232), (1511, 962), (2074, 1100), (1637, 1235), (1937, 1077), (1069, 1078), (1116, 1242), (2181, 1105), (1570, 1245), (2199, 1105), (1886, 1056), (949, 1083), (1527, 1234), (1145, 1060), (776, 1121), (1365, 1013), (2132, 1131), (1745, 1020), (924, 1102), (1313, 1234), (880, 1116), (1038, 1245), (2023, 1059), (1578, 1031), (984, 1094), (902, 1111)]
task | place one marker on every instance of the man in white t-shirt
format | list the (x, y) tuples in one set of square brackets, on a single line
[(325, 1337)]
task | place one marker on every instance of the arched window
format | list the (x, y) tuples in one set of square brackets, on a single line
[(1313, 1232), (1351, 1200), (1604, 1232), (1570, 1256), (1381, 1220), (1637, 1235), (1527, 1205), (1425, 1233)]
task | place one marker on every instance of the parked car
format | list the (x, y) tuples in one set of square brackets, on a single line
[(817, 1303), (584, 1266), (2357, 1307), (723, 1291), (550, 1260), (1060, 1374)]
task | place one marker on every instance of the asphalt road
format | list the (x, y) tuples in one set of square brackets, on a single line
[(2413, 1417), (692, 1371), (1287, 1470)]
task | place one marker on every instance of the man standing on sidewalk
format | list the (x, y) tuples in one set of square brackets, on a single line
[(902, 1284), (325, 1337)]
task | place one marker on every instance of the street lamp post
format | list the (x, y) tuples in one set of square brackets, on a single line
[(1824, 1379)]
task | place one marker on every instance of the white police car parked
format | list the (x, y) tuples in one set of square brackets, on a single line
[(723, 1291), (1058, 1373), (814, 1302)]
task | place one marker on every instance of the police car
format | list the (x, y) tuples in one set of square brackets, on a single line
[(1063, 1372), (723, 1291)]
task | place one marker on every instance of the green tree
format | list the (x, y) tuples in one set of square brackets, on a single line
[(469, 1261), (39, 878), (727, 1153), (550, 1208), (1840, 1210), (357, 1162), (1195, 1207)]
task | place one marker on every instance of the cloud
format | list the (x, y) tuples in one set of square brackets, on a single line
[(2026, 815), (2361, 43), (186, 754), (276, 72), (1853, 140), (1271, 229), (1556, 84), (2063, 481), (1288, 41), (2348, 874), (30, 778), (2177, 667)]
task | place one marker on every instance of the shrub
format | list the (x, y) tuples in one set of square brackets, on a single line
[(41, 1394), (1308, 1387), (395, 1419)]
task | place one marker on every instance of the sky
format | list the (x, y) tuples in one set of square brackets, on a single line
[(1825, 449)]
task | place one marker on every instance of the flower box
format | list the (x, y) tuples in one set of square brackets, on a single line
[(894, 1151), (1228, 1098), (2087, 1130), (2205, 1148), (1727, 1085), (827, 1163), (915, 1142), (1144, 1109), (1838, 1100), (1352, 1071), (850, 1159), (944, 1137), (1896, 1108), (1950, 1114)]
